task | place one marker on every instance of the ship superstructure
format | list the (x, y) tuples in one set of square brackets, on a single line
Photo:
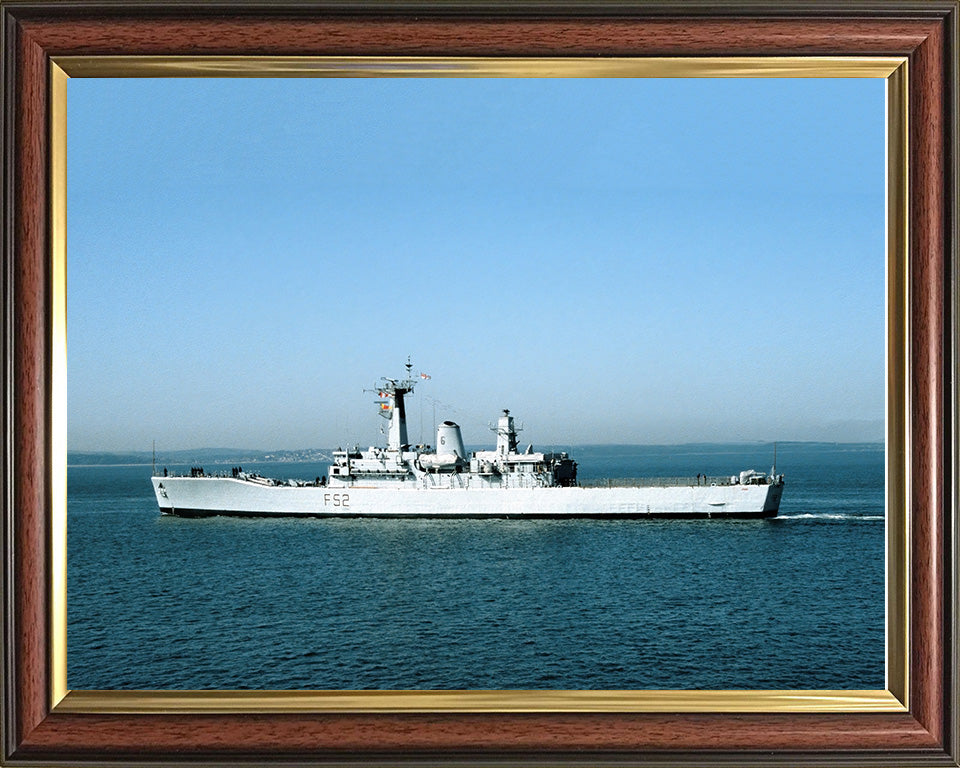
[(400, 480)]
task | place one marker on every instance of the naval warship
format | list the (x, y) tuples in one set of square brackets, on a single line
[(400, 480)]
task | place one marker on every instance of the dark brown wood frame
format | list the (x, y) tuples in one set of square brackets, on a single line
[(925, 32)]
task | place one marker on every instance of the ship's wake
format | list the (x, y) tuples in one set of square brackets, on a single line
[(829, 516)]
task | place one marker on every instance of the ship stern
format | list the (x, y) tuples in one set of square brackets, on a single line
[(771, 504)]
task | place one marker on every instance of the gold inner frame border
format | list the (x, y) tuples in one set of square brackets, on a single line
[(897, 565)]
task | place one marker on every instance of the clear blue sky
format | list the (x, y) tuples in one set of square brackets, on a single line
[(631, 261)]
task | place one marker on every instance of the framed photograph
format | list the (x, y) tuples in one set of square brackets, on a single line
[(371, 171)]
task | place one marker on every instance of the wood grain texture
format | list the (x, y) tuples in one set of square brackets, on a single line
[(29, 370), (442, 36), (928, 147), (917, 737), (337, 734)]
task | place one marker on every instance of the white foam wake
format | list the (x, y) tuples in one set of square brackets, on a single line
[(828, 516)]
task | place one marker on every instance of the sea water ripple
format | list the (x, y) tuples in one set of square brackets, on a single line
[(795, 602)]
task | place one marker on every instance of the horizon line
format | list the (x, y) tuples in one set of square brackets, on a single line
[(135, 451)]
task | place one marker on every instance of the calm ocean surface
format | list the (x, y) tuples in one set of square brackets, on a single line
[(794, 602)]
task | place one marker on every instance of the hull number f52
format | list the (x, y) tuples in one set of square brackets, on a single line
[(336, 499)]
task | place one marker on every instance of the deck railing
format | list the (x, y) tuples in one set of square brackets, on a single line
[(631, 482)]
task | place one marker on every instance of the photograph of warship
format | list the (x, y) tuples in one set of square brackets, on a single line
[(401, 480)]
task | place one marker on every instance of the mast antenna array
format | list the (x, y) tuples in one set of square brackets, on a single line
[(390, 404)]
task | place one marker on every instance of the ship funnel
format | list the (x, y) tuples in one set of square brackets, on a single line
[(449, 439)]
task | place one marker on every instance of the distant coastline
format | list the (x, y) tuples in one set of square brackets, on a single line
[(192, 456), (217, 456)]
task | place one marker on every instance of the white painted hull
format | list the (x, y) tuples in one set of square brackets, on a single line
[(207, 496)]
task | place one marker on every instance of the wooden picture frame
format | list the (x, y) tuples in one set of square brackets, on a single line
[(920, 726)]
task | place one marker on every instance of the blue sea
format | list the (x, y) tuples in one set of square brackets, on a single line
[(221, 603)]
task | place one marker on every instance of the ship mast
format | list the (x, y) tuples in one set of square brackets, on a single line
[(506, 434), (392, 407)]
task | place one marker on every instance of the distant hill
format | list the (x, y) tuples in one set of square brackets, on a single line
[(195, 456), (214, 456)]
